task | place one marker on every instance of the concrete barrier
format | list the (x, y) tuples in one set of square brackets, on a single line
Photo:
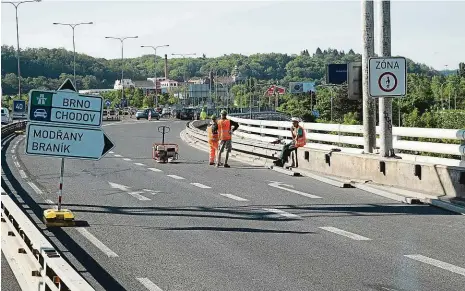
[(411, 175)]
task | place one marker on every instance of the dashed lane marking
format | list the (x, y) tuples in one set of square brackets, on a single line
[(118, 156), (100, 245), (175, 177), (35, 188), (17, 164), (281, 212), (201, 185), (139, 164), (149, 284), (155, 170), (127, 159), (437, 263), (22, 174), (344, 233), (234, 197), (49, 201), (136, 194), (111, 152)]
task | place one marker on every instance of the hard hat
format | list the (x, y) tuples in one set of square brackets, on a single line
[(295, 119), (224, 112), (213, 117)]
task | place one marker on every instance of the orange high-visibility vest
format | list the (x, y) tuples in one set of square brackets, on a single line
[(212, 137), (224, 126), (300, 140)]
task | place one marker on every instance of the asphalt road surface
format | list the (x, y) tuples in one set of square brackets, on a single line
[(191, 226)]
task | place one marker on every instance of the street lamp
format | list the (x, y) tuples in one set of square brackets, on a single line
[(155, 69), (16, 4), (183, 56), (121, 39), (73, 25)]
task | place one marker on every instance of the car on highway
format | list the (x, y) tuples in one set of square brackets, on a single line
[(188, 114), (144, 114), (5, 116)]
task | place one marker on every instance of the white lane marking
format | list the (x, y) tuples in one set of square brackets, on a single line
[(111, 152), (155, 170), (118, 156), (279, 186), (282, 213), (149, 284), (126, 159), (234, 197), (201, 185), (35, 188), (49, 201), (17, 164), (136, 194), (437, 263), (106, 250), (12, 151), (175, 177), (14, 146), (344, 233), (22, 174), (13, 157), (139, 164)]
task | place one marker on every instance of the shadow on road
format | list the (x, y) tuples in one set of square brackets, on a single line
[(85, 259)]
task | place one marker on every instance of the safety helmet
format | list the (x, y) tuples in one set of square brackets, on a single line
[(295, 119), (213, 117), (224, 112)]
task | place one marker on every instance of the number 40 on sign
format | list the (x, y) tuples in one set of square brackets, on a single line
[(387, 77)]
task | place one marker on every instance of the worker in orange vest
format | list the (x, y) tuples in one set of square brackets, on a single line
[(212, 131), (225, 128), (299, 139)]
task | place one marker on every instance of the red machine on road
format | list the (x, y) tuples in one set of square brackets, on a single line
[(164, 152)]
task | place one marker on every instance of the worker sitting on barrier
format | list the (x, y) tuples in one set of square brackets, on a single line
[(299, 139), (212, 130)]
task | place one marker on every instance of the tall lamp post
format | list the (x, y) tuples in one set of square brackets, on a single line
[(155, 69), (183, 56), (73, 25), (16, 4), (121, 39)]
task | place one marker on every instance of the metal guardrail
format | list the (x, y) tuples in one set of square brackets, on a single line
[(36, 264), (335, 135)]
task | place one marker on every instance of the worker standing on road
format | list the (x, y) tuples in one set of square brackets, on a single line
[(225, 128), (212, 131), (299, 139)]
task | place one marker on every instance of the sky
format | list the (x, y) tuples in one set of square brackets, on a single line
[(429, 32)]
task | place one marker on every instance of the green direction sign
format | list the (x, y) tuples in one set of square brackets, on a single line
[(65, 107)]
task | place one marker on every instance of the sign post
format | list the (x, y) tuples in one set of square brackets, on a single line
[(65, 124)]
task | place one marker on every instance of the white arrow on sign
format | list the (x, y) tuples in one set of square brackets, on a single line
[(67, 141), (280, 185)]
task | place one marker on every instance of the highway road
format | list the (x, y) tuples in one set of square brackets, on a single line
[(191, 226)]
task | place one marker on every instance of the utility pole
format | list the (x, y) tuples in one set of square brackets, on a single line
[(369, 121), (73, 25), (155, 69), (385, 103), (121, 39), (16, 4)]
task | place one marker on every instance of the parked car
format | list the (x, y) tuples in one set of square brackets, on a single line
[(5, 116), (188, 114), (144, 114)]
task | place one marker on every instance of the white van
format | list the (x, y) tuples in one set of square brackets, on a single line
[(5, 116)]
